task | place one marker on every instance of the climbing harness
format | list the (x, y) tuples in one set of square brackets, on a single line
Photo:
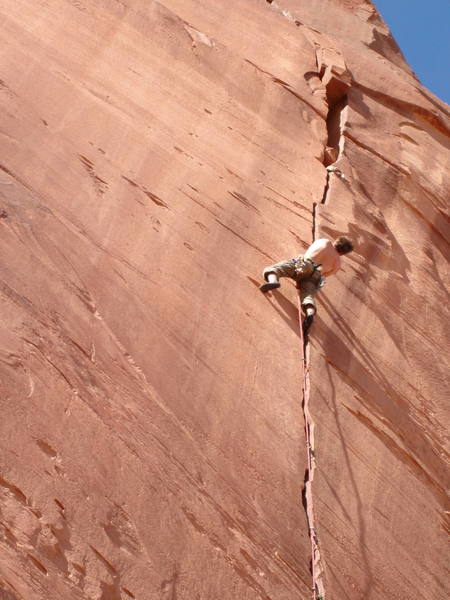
[(306, 268)]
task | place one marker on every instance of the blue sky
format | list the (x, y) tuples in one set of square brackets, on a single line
[(422, 30)]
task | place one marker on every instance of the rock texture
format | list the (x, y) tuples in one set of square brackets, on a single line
[(154, 157)]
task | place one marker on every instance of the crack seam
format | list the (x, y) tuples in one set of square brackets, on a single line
[(333, 150), (317, 571)]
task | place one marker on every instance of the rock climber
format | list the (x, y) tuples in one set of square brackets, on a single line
[(322, 259)]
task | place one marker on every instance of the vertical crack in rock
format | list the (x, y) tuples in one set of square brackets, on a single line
[(337, 102), (314, 209), (323, 201), (334, 124), (317, 572), (335, 140)]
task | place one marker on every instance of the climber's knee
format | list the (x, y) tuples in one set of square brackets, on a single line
[(309, 305), (285, 268)]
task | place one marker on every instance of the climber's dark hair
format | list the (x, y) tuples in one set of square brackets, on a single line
[(343, 244)]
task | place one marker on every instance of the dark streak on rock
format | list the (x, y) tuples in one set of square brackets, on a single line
[(100, 184), (244, 240), (244, 201), (102, 559), (46, 448), (154, 198), (15, 491), (280, 205), (38, 564), (60, 504), (130, 181), (287, 87)]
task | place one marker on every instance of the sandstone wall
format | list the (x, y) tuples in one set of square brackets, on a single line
[(154, 157)]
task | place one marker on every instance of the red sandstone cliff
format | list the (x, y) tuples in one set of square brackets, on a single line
[(154, 157)]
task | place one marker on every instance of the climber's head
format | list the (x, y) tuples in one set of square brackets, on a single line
[(343, 245)]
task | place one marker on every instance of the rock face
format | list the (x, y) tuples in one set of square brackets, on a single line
[(155, 157)]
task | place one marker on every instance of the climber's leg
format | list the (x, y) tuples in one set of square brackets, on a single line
[(271, 283), (308, 319), (308, 291), (272, 274)]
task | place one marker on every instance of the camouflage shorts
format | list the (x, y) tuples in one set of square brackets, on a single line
[(305, 272), (296, 268)]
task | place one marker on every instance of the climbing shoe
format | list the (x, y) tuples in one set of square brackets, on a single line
[(269, 285)]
